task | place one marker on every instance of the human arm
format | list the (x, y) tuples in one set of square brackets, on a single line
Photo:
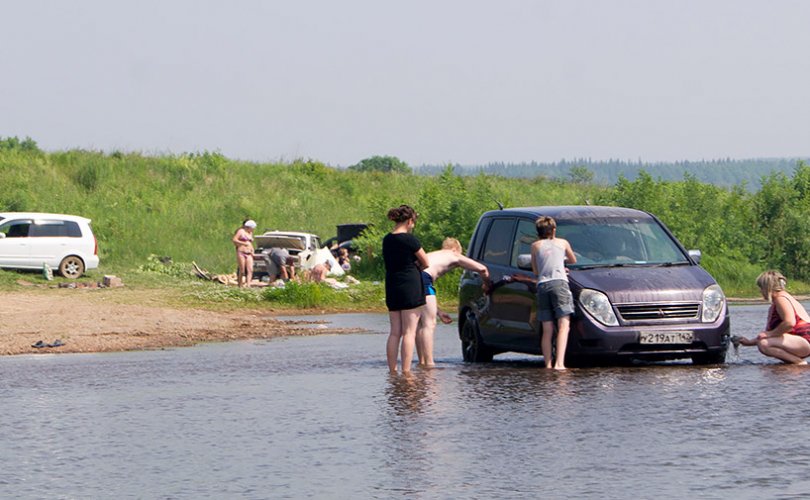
[(242, 239), (236, 241), (570, 258), (473, 265), (421, 259)]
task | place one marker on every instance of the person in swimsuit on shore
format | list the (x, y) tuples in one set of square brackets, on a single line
[(787, 332), (243, 241), (441, 261)]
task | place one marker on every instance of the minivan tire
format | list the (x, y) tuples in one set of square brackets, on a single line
[(473, 349), (71, 267)]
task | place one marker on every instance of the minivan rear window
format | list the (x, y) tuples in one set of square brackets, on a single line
[(55, 228)]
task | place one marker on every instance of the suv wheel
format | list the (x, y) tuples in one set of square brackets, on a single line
[(472, 347), (71, 267)]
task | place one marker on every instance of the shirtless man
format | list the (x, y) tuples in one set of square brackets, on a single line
[(440, 261)]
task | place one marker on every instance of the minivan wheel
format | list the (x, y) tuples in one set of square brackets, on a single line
[(473, 349), (709, 358), (71, 267)]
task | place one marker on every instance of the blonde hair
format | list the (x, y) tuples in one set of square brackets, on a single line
[(451, 244), (770, 282)]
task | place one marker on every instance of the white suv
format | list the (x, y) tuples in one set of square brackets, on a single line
[(65, 242)]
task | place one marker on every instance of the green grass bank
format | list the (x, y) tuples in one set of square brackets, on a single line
[(188, 206)]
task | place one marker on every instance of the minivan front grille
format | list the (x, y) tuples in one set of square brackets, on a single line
[(646, 312)]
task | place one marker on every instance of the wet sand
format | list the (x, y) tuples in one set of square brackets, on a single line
[(93, 321)]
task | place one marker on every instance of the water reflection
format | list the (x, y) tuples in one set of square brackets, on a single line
[(412, 393)]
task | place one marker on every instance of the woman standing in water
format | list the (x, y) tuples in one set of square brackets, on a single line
[(404, 296), (787, 334), (243, 241)]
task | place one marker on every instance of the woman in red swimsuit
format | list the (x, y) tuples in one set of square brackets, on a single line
[(243, 241), (787, 334)]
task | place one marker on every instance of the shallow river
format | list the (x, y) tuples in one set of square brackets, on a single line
[(320, 417)]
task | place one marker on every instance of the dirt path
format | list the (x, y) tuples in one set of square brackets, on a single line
[(87, 321)]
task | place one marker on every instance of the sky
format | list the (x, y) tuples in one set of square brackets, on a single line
[(431, 82)]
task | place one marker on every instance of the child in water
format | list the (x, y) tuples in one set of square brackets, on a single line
[(554, 299)]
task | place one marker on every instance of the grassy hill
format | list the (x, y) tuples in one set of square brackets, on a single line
[(188, 206)]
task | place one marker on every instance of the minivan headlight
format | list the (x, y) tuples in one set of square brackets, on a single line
[(598, 306), (713, 300)]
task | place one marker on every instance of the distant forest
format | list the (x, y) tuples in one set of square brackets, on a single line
[(722, 172)]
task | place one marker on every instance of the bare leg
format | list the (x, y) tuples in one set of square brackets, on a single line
[(563, 325), (545, 342), (424, 334), (788, 348), (410, 321), (240, 268), (394, 337), (249, 269)]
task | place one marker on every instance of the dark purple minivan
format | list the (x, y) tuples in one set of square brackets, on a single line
[(639, 294)]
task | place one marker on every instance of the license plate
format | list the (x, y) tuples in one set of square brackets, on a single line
[(666, 337)]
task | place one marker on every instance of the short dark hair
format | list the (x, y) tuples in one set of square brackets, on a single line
[(545, 225)]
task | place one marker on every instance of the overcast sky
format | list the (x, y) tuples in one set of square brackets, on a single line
[(461, 81)]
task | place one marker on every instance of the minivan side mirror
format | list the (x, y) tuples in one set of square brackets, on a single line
[(524, 261), (695, 255)]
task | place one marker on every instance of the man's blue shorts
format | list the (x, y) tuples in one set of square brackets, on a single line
[(427, 281)]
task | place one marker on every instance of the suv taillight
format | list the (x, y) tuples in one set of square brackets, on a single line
[(95, 245)]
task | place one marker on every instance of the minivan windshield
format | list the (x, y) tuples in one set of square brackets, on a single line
[(614, 241)]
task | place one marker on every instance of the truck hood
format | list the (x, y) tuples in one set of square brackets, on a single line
[(634, 284), (279, 241)]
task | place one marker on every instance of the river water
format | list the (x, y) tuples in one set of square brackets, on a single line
[(320, 417)]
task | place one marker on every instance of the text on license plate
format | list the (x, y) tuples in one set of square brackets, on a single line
[(666, 337)]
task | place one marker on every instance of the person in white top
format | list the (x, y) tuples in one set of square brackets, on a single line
[(554, 299), (440, 261)]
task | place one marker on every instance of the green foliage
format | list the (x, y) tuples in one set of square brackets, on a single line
[(387, 164), (26, 145), (580, 175), (164, 265), (314, 295)]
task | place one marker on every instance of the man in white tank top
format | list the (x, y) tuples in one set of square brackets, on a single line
[(554, 299)]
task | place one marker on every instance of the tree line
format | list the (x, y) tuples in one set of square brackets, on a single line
[(722, 172)]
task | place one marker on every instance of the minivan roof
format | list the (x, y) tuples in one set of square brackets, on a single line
[(570, 211), (42, 215)]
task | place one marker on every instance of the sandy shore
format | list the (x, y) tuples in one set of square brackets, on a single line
[(89, 321)]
